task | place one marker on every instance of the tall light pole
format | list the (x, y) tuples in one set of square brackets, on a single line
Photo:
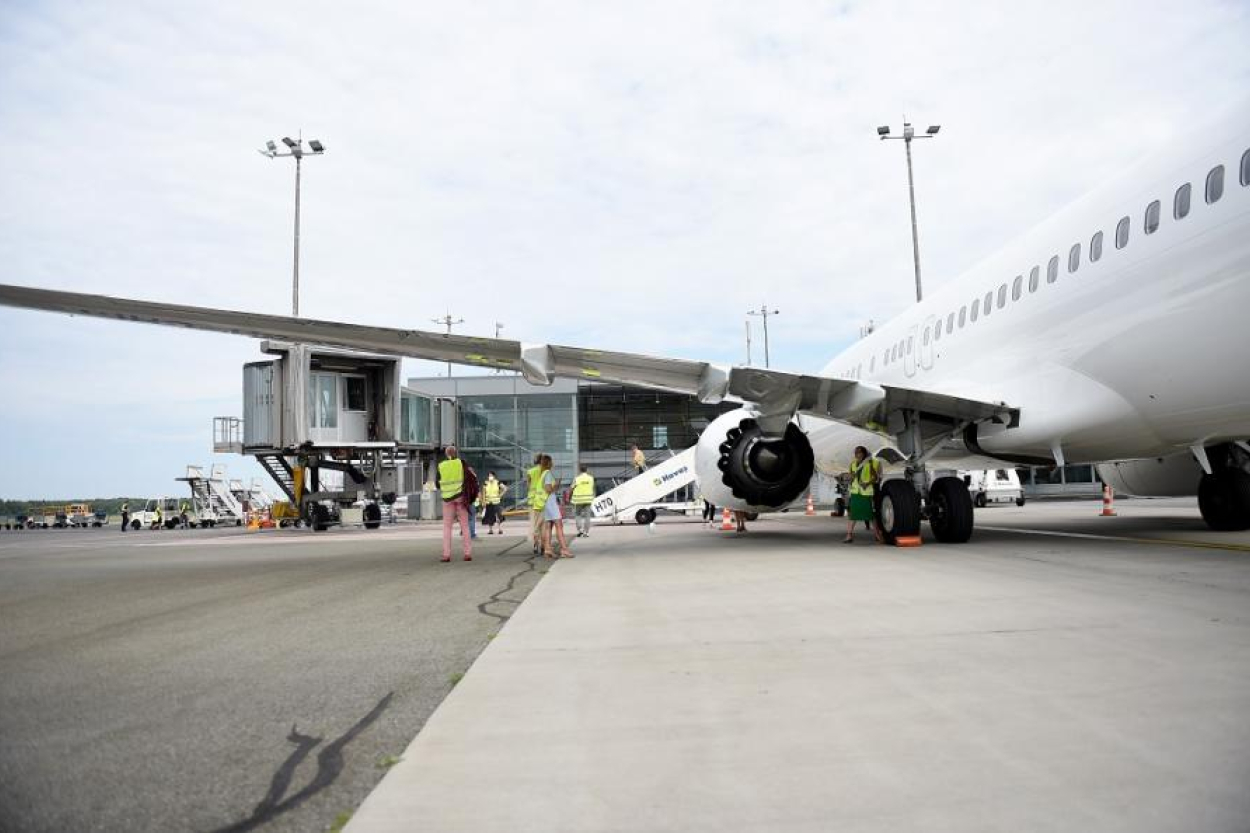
[(498, 327), (909, 133), (448, 321), (295, 149), (764, 312)]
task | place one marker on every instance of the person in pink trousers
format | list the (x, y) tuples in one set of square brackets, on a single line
[(451, 481)]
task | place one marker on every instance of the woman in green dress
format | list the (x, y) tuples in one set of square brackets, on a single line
[(865, 475)]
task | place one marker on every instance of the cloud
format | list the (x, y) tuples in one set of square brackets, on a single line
[(631, 176)]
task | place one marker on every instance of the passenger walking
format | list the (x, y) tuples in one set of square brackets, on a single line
[(709, 512), (553, 517), (537, 500), (125, 514), (865, 475), (492, 496), (639, 459), (450, 483), (583, 497)]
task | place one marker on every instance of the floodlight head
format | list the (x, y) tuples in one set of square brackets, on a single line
[(908, 130), (316, 146), (933, 129), (883, 130), (289, 142), (272, 147)]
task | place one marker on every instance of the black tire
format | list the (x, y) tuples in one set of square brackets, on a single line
[(373, 516), (898, 510), (981, 501), (753, 516), (950, 510), (1224, 500), (1020, 501), (299, 523), (136, 526), (319, 517), (644, 516)]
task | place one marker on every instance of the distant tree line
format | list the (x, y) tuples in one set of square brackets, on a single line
[(111, 505)]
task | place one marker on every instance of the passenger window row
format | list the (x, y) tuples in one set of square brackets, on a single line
[(1213, 190)]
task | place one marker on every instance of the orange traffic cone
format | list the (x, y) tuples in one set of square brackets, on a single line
[(811, 507), (1108, 502), (727, 522)]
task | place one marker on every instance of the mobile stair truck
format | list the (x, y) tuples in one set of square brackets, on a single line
[(642, 495), (332, 428)]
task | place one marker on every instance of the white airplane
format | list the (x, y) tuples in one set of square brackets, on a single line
[(1112, 333)]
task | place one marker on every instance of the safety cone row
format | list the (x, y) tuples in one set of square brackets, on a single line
[(1108, 502), (811, 506), (727, 521)]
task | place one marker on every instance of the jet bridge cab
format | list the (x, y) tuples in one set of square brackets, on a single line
[(333, 428)]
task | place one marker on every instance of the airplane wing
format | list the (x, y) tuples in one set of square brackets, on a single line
[(778, 395)]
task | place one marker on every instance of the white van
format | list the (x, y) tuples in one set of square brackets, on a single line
[(994, 486)]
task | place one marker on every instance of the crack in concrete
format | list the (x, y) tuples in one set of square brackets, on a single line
[(495, 598)]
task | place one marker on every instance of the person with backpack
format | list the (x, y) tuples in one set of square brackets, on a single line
[(451, 482), (865, 476)]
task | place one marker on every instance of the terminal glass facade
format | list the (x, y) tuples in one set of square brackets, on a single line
[(503, 432)]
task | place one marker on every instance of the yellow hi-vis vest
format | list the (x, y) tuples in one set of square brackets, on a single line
[(583, 490), (450, 478), (490, 492), (537, 495), (861, 476)]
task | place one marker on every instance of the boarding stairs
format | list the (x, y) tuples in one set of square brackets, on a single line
[(281, 472), (211, 497), (647, 488)]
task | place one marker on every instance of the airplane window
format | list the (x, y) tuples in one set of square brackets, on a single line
[(1121, 233), (1074, 257), (910, 339), (1017, 287), (1180, 203), (1034, 276), (926, 336), (1245, 169), (1095, 247), (894, 353), (950, 323), (989, 302), (1052, 269), (1215, 184), (937, 331), (1152, 217), (976, 308), (1002, 296), (963, 312)]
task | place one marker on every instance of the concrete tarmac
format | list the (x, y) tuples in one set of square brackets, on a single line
[(224, 680), (1060, 672)]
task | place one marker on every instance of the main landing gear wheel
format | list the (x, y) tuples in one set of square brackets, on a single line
[(898, 513), (1224, 500), (319, 517), (950, 510), (373, 515)]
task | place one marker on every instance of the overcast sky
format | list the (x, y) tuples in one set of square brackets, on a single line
[(624, 175)]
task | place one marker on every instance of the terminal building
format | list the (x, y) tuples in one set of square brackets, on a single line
[(500, 421)]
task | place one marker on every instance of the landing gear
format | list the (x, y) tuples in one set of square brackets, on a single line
[(318, 517), (373, 515), (1224, 500), (950, 510), (898, 514)]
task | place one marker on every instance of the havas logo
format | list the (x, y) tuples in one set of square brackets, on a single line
[(656, 481)]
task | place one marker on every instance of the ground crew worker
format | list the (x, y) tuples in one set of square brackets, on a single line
[(639, 459), (492, 495), (125, 514), (160, 517), (583, 497), (184, 515), (450, 483), (537, 500), (865, 475)]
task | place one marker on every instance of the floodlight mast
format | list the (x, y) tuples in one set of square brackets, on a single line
[(296, 151), (763, 312), (909, 133)]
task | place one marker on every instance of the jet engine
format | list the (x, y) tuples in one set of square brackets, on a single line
[(1176, 475), (739, 467)]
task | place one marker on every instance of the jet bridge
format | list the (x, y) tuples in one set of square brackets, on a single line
[(334, 428)]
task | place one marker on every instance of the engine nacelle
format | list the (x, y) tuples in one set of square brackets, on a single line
[(740, 468), (1174, 476)]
